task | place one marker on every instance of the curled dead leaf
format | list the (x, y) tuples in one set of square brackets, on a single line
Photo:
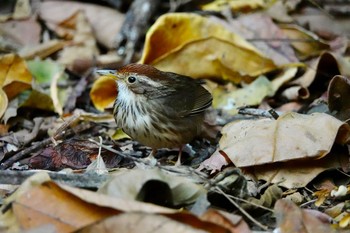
[(292, 136), (338, 97), (103, 92)]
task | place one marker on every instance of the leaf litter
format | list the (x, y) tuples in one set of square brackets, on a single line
[(284, 170)]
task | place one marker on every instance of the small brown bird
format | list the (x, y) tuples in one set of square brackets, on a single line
[(158, 109)]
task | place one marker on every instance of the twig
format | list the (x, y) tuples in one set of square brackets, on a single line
[(120, 153), (307, 203), (250, 203), (23, 153), (86, 180), (242, 210), (257, 112)]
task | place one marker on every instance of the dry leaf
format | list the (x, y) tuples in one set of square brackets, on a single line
[(130, 185), (206, 48), (103, 92), (292, 136)]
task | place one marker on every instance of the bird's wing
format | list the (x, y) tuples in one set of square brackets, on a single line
[(184, 100)]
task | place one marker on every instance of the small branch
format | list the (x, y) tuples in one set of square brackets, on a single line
[(250, 203), (259, 112), (86, 180), (242, 210)]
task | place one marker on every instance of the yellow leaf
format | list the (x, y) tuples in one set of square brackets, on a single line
[(14, 75), (213, 57), (103, 92), (212, 41)]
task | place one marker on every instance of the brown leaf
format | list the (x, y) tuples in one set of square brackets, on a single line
[(291, 136)]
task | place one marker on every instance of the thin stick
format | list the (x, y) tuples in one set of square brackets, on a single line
[(251, 203), (256, 112), (242, 210)]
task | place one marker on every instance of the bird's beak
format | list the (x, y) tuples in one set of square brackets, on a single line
[(108, 73)]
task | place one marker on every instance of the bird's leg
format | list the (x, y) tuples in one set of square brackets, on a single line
[(150, 158), (178, 162)]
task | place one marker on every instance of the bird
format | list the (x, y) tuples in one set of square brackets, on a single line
[(156, 108)]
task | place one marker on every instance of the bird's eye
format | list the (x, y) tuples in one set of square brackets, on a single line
[(131, 79)]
